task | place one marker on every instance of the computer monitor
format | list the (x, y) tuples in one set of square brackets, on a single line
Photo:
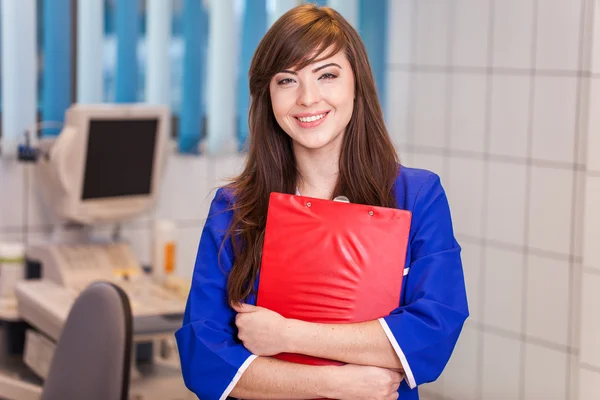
[(106, 164)]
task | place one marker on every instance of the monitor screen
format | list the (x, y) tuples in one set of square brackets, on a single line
[(120, 158)]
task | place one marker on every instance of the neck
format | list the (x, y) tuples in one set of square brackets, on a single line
[(318, 171)]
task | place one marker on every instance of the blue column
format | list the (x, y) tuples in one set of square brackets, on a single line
[(90, 41), (195, 34), (373, 30), (19, 72), (319, 2), (126, 27), (57, 62), (255, 26)]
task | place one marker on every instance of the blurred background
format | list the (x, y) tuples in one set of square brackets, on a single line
[(495, 96)]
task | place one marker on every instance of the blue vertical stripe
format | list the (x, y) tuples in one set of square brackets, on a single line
[(126, 27), (319, 2), (57, 62), (195, 34), (255, 26), (372, 23)]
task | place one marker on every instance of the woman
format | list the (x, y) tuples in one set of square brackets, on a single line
[(317, 129)]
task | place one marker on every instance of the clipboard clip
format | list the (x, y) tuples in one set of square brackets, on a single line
[(342, 199)]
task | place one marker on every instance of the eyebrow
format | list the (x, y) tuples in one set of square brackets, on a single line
[(314, 70)]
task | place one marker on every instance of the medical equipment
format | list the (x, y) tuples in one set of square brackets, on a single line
[(104, 167)]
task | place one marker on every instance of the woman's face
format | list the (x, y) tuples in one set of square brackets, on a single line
[(314, 105)]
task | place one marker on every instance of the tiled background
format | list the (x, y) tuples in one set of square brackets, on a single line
[(498, 97)]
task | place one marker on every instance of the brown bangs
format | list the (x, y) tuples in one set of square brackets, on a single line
[(311, 43)]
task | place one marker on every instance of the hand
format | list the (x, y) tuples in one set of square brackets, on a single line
[(261, 330), (358, 382)]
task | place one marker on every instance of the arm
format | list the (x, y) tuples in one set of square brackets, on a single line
[(267, 333), (269, 378), (363, 343), (421, 334), (216, 365)]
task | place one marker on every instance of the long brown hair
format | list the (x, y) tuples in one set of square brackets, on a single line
[(368, 163)]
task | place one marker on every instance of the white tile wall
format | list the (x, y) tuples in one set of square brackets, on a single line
[(188, 239), (509, 122), (471, 30), (513, 21), (550, 209), (401, 30), (558, 34), (506, 202), (432, 39), (467, 115), (430, 109), (465, 181), (591, 250), (501, 367), (595, 38), (39, 213), (398, 105), (547, 300), (503, 289), (589, 385), (545, 373), (517, 184), (593, 133), (590, 320), (463, 367), (12, 200), (187, 188), (554, 118), (227, 167)]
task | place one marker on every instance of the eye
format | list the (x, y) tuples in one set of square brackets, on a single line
[(328, 76), (285, 81)]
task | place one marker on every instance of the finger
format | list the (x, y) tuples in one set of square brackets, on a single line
[(398, 377), (242, 307)]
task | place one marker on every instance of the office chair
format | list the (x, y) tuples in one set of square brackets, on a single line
[(93, 354)]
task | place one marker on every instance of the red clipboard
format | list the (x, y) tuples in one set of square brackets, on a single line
[(331, 262)]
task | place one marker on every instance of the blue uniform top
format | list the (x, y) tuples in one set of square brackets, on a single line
[(423, 330)]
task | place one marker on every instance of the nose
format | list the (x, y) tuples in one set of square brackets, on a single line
[(308, 94)]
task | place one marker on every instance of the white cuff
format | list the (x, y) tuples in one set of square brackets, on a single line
[(237, 376), (408, 375)]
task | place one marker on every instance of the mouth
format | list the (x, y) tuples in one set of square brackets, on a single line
[(310, 121)]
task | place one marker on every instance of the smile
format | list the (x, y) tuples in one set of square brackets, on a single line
[(312, 120)]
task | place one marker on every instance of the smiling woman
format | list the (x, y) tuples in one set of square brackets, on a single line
[(317, 129), (318, 96)]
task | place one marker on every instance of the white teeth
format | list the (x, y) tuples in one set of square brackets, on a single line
[(311, 119)]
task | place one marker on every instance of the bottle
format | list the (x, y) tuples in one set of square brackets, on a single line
[(12, 268), (164, 262)]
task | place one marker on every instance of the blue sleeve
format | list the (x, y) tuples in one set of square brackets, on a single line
[(426, 327), (212, 360)]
